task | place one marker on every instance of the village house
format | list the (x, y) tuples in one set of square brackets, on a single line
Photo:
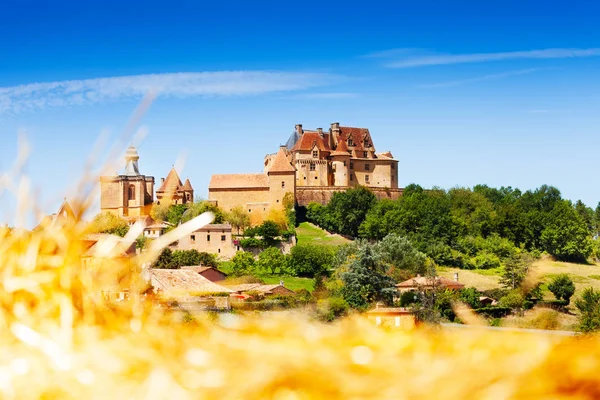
[(424, 283), (399, 317), (214, 238), (210, 273), (242, 291)]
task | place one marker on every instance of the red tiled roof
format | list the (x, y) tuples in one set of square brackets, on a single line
[(422, 281), (172, 182), (187, 185), (358, 135), (309, 139), (281, 163), (239, 181)]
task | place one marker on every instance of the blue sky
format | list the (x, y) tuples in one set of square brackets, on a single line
[(461, 92)]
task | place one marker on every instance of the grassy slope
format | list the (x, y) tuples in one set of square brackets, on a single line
[(290, 282), (308, 233)]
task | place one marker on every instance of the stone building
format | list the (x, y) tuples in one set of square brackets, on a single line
[(214, 238), (312, 165), (129, 195), (342, 157), (172, 190), (258, 194)]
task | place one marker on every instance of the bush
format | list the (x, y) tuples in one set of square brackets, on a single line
[(553, 304), (332, 308), (562, 287), (484, 260), (589, 307), (470, 296), (251, 243), (408, 298), (310, 261), (546, 319), (513, 300)]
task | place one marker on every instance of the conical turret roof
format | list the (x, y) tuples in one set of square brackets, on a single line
[(172, 182), (187, 185), (281, 163)]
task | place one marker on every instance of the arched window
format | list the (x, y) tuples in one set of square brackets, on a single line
[(131, 192)]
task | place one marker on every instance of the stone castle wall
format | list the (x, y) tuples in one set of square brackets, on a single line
[(306, 195)]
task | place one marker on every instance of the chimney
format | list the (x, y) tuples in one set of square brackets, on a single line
[(335, 127), (320, 130), (456, 277), (281, 282), (162, 180), (299, 130), (379, 305)]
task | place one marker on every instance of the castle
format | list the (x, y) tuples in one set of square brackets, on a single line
[(312, 166), (131, 195)]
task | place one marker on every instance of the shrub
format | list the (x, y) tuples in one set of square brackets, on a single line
[(332, 308), (562, 287), (243, 263), (251, 243), (310, 261), (484, 260), (589, 307), (408, 298), (513, 300), (546, 319), (470, 296)]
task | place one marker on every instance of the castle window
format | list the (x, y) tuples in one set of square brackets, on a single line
[(208, 238), (366, 178), (313, 167), (131, 192), (344, 163), (193, 238), (282, 184), (188, 197), (393, 166), (367, 167), (351, 165), (365, 154), (351, 177), (223, 238), (315, 154)]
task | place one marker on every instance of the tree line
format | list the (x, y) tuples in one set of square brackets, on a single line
[(480, 227)]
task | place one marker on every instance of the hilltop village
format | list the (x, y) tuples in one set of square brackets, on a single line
[(312, 166)]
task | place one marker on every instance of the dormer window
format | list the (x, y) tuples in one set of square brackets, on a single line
[(365, 154), (315, 154), (350, 142), (366, 142)]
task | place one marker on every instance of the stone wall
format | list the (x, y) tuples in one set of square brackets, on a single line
[(306, 195)]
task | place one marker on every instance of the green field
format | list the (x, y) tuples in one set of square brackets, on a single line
[(308, 233), (289, 282)]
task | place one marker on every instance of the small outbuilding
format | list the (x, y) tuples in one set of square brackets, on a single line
[(424, 283), (399, 317)]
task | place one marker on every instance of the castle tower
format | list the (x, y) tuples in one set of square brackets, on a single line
[(129, 195), (173, 191), (340, 160), (282, 178)]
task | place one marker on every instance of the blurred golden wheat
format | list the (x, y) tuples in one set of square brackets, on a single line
[(60, 340)]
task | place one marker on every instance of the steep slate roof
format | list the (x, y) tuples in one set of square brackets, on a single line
[(183, 281), (281, 163), (241, 181), (172, 182), (422, 281), (307, 141)]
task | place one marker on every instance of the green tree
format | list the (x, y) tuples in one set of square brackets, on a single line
[(365, 280), (159, 212), (401, 259), (198, 208), (514, 300), (566, 236), (271, 262), (348, 209), (269, 230), (238, 218), (175, 213), (165, 260), (243, 263), (562, 287), (110, 223), (470, 296), (589, 310), (516, 269), (310, 261)]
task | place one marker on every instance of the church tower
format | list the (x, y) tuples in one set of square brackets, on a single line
[(129, 195)]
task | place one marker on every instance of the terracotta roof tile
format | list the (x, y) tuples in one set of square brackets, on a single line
[(309, 139), (183, 281), (281, 163), (241, 181), (187, 185), (172, 182), (358, 136)]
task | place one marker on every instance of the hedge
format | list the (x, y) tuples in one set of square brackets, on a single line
[(494, 312)]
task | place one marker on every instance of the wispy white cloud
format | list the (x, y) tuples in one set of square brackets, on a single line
[(445, 59), (36, 96), (399, 52), (490, 77), (334, 95)]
